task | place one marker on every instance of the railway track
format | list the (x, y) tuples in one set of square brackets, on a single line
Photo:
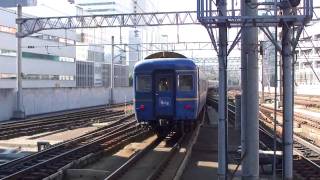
[(308, 101), (306, 123), (48, 161), (169, 164), (61, 122), (299, 118), (307, 156)]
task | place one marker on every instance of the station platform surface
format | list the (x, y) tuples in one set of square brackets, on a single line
[(203, 163)]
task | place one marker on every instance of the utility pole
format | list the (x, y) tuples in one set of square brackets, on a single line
[(281, 82), (19, 113), (249, 105), (262, 71), (223, 106), (287, 60), (112, 71)]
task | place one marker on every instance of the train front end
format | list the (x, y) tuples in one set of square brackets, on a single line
[(166, 91)]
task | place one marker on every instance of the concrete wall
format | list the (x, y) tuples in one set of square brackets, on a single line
[(7, 103), (44, 100)]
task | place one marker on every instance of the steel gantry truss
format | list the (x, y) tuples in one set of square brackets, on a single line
[(233, 18), (284, 13), (32, 25)]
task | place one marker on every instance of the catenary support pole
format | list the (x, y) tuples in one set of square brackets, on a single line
[(250, 133), (19, 113), (287, 98), (262, 78), (112, 71), (223, 107), (238, 112), (274, 169)]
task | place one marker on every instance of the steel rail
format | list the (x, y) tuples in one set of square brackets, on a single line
[(50, 125), (71, 142), (60, 155), (311, 163), (64, 113), (122, 169), (70, 120), (79, 152), (299, 117), (187, 139), (155, 173)]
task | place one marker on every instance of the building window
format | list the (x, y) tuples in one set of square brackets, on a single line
[(95, 56), (6, 52), (308, 38), (47, 77), (306, 65), (8, 76), (7, 29), (46, 57), (317, 37), (53, 38), (185, 83), (306, 52)]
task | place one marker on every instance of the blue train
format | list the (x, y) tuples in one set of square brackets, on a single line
[(168, 92)]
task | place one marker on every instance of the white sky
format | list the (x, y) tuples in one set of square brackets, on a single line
[(186, 33)]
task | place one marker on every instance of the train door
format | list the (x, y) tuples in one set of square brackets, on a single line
[(164, 94)]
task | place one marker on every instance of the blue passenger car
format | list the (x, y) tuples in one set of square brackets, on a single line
[(168, 91)]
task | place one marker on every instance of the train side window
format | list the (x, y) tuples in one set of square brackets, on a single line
[(143, 83), (185, 82)]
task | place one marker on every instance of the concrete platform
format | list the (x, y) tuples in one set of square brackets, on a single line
[(203, 163)]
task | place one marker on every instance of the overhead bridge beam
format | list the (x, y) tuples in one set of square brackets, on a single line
[(233, 18), (33, 25)]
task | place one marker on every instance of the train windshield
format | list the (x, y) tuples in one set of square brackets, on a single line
[(143, 83), (164, 84), (185, 83)]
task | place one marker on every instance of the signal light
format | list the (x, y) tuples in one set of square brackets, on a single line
[(187, 107), (141, 107)]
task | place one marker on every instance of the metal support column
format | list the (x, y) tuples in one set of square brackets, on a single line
[(262, 79), (19, 113), (112, 71), (238, 112), (287, 98), (223, 106), (250, 133)]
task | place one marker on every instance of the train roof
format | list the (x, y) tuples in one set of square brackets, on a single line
[(150, 65)]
